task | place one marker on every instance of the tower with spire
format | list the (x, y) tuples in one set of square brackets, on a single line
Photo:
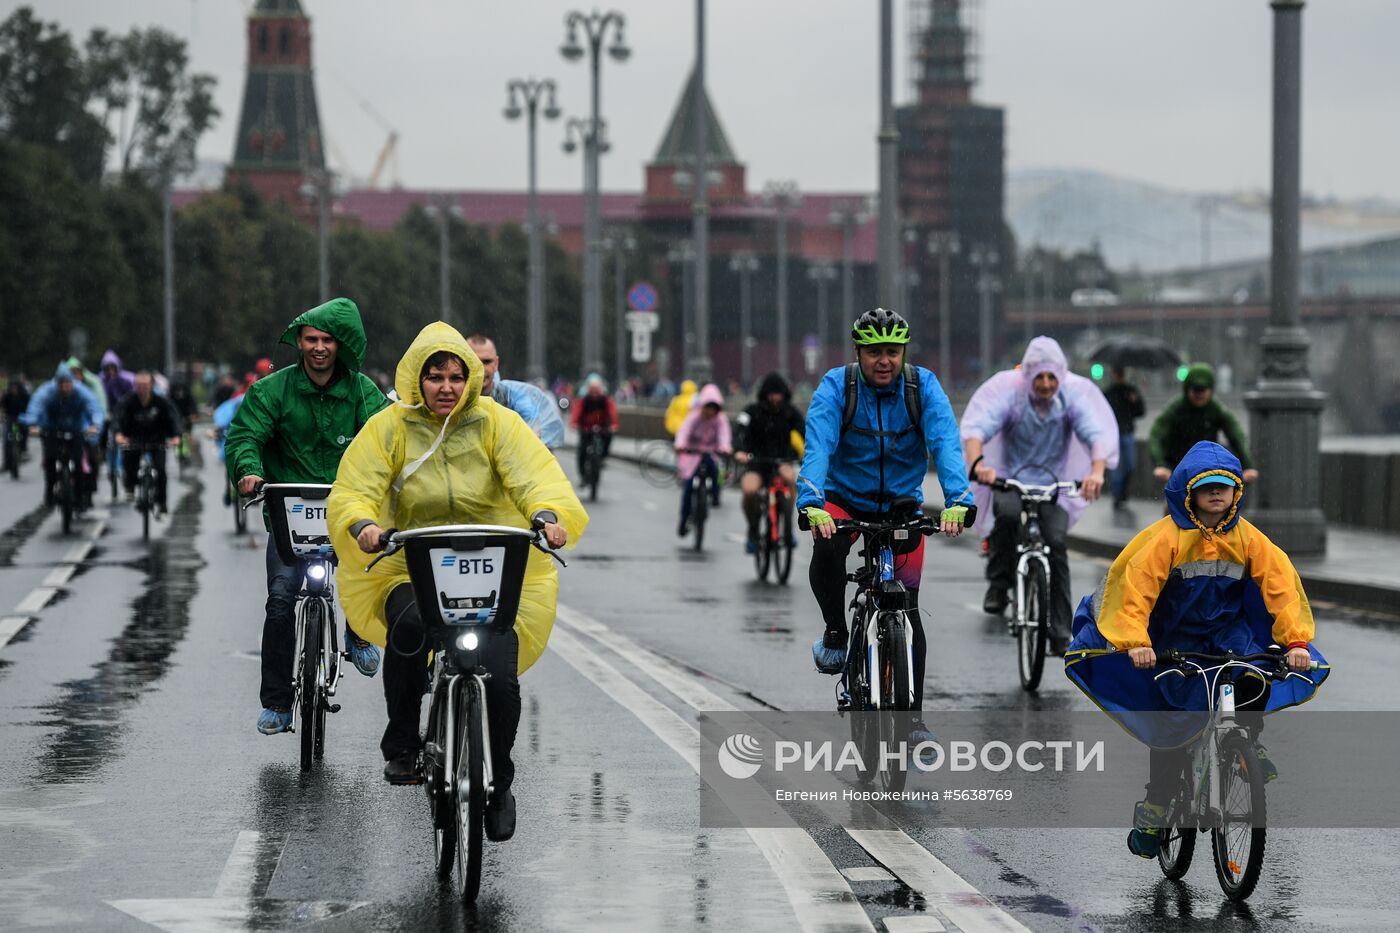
[(279, 127)]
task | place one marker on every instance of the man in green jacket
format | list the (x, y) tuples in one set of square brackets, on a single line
[(293, 427), (1196, 416)]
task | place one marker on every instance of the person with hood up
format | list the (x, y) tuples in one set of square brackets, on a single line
[(1196, 416), (293, 427), (702, 434), (529, 401), (65, 404), (1038, 423), (445, 454), (1200, 579), (595, 410), (117, 383), (680, 406), (770, 428)]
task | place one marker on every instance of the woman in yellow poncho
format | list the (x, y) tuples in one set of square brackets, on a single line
[(445, 455)]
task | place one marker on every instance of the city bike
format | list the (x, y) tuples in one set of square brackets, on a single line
[(702, 491), (775, 541), (13, 439), (66, 453), (145, 499), (466, 581), (1222, 791), (592, 461), (1028, 619), (297, 514)]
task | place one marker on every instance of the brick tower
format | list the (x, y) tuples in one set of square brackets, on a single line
[(279, 127)]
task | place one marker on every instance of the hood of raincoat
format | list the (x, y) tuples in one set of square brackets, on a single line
[(340, 318), (773, 382), (73, 363), (688, 387), (709, 395), (110, 358), (1043, 355), (1205, 459), (62, 371), (436, 336), (1199, 374)]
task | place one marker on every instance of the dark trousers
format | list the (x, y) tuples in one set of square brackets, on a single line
[(827, 576), (279, 641), (84, 480), (1001, 555), (131, 463), (688, 487), (406, 679), (1166, 767), (604, 439)]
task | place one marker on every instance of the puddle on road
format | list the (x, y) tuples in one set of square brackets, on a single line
[(14, 537), (602, 807), (88, 712)]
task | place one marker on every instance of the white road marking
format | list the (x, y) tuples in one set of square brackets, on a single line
[(913, 924), (942, 888), (10, 627), (820, 897), (867, 873), (39, 597), (239, 877)]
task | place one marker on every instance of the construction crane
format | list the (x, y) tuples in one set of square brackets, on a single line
[(388, 153)]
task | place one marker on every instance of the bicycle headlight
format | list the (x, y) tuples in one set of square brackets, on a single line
[(467, 641), (316, 572)]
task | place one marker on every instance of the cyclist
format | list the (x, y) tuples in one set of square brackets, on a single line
[(445, 454), (293, 427), (63, 404), (13, 405), (1196, 416), (702, 434), (1037, 423), (594, 410), (182, 397), (526, 399), (148, 419), (117, 383), (872, 427), (767, 428), (1201, 579)]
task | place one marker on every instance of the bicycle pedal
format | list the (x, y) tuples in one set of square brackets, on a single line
[(333, 707)]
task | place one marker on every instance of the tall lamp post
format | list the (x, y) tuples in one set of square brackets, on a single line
[(701, 365), (620, 243), (318, 187), (683, 254), (531, 92), (908, 281), (889, 164), (985, 259), (596, 27), (849, 216), (823, 274), (167, 249), (1285, 409), (944, 245), (1031, 271), (782, 196), (442, 210), (746, 264)]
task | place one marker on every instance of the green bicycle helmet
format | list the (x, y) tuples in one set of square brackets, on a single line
[(879, 326)]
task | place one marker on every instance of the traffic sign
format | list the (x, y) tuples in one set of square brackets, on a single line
[(643, 320), (641, 296), (641, 346)]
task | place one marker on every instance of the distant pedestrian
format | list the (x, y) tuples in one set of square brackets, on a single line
[(1196, 416), (1126, 402)]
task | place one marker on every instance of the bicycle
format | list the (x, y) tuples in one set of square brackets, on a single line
[(65, 448), (145, 484), (877, 683), (706, 476), (13, 436), (592, 461), (775, 540), (297, 513), (114, 461), (1223, 787), (467, 581), (1029, 619)]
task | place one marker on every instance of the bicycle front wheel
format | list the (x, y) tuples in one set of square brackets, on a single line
[(440, 806), (66, 498), (1030, 636), (1239, 841), (763, 547), (657, 463), (470, 797), (782, 554), (310, 698), (148, 503), (895, 697), (699, 509)]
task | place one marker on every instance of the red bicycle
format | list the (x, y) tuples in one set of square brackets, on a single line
[(775, 538)]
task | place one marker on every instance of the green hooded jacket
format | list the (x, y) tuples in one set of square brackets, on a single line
[(1182, 425), (290, 430), (93, 383)]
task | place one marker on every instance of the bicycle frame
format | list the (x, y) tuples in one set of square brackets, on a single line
[(876, 581)]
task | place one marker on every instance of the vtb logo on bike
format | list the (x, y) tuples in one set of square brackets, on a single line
[(740, 756), (310, 511), (466, 565)]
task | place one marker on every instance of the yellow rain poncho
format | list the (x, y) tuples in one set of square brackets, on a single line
[(680, 407), (410, 468)]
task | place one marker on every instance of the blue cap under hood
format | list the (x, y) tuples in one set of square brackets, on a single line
[(1204, 459)]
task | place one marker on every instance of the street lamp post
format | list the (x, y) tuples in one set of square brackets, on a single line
[(1031, 271), (889, 164), (702, 365), (683, 254), (167, 247), (317, 187), (531, 92), (908, 281), (848, 216), (746, 264), (596, 28), (823, 274), (1285, 408), (944, 245), (443, 210), (620, 243), (783, 197), (985, 258)]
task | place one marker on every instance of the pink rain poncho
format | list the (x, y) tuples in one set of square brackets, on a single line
[(700, 433), (1002, 416)]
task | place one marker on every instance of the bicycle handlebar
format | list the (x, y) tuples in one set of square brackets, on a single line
[(1034, 490), (391, 541), (1174, 658)]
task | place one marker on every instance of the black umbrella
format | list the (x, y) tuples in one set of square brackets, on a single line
[(1139, 352)]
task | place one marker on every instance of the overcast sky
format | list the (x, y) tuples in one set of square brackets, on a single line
[(1176, 93)]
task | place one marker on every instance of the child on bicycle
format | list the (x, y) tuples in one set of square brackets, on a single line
[(1200, 579), (703, 433)]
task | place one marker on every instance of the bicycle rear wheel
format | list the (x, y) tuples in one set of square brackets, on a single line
[(1030, 637), (310, 661), (782, 556), (470, 797), (1239, 842), (66, 497), (699, 508), (1178, 842), (11, 453)]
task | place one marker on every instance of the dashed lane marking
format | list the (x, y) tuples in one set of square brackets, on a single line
[(39, 597), (867, 873), (907, 924)]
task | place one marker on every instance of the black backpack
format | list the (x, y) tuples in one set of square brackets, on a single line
[(913, 403)]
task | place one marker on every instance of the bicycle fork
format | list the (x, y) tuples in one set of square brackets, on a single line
[(449, 753), (1025, 555)]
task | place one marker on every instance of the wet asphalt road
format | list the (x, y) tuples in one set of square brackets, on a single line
[(134, 791)]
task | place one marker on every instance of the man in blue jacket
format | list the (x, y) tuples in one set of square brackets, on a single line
[(527, 400), (872, 427), (61, 404)]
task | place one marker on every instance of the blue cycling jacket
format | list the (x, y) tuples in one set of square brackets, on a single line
[(51, 411), (868, 470), (535, 406)]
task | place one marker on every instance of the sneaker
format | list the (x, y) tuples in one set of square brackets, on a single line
[(1145, 840), (683, 530), (751, 544), (1266, 764), (828, 660), (919, 733), (1055, 647), (500, 816), (273, 720), (363, 655), (403, 769), (994, 603)]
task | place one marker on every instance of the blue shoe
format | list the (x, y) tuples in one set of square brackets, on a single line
[(751, 546), (1266, 764), (273, 721), (828, 660), (919, 733), (1145, 840), (363, 655)]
